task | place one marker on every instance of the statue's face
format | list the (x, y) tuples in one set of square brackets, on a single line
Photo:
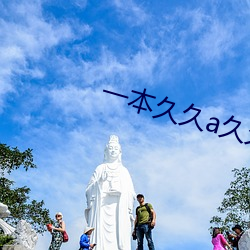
[(113, 150)]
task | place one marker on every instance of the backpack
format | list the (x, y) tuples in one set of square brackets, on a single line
[(149, 212)]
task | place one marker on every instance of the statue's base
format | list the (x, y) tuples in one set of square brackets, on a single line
[(13, 247)]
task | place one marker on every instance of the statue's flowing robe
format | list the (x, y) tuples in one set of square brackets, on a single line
[(110, 197), (244, 242)]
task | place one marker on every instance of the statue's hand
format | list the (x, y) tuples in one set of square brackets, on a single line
[(104, 176), (90, 204), (90, 201), (132, 217)]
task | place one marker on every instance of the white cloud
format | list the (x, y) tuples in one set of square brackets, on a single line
[(121, 71), (131, 12), (199, 33), (104, 69), (217, 42), (26, 35), (143, 64), (80, 3), (32, 33), (86, 102), (198, 20)]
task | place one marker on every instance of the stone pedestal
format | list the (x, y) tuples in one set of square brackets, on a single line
[(13, 247)]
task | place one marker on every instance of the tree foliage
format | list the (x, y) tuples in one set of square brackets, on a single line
[(235, 206), (6, 239), (17, 199), (12, 159)]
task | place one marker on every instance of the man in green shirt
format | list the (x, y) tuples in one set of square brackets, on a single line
[(144, 223)]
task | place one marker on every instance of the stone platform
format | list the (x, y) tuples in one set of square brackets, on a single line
[(13, 247)]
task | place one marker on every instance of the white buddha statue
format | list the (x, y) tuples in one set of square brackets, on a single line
[(25, 237), (244, 242), (110, 197), (4, 212)]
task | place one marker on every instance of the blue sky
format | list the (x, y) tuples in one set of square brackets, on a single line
[(58, 57)]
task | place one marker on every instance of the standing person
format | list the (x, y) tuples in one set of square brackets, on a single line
[(85, 239), (239, 231), (56, 231), (142, 226), (231, 240), (218, 240), (110, 198)]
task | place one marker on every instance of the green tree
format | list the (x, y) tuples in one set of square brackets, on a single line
[(17, 199), (235, 207)]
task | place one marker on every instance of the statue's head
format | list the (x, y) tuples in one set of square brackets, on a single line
[(113, 150), (4, 211)]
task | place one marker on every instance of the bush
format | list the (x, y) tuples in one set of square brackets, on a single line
[(6, 240)]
